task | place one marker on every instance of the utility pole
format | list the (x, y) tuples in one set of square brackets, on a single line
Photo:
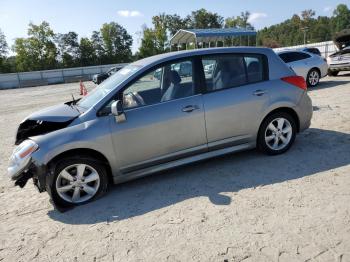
[(304, 29)]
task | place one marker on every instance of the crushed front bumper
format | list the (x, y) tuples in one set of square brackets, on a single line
[(37, 173), (24, 166)]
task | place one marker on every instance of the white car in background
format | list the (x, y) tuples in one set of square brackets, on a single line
[(340, 61), (308, 65)]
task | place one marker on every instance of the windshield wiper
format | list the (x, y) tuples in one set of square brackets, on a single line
[(73, 103)]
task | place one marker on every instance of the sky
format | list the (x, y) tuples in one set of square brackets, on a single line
[(86, 16)]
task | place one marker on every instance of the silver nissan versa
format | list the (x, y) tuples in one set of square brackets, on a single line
[(152, 115)]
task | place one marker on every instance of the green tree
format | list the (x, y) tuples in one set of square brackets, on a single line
[(3, 45), (174, 23), (160, 32), (148, 43), (68, 49), (308, 14), (341, 17), (3, 51), (87, 54), (26, 59), (116, 43), (156, 40), (239, 22), (319, 29), (38, 51), (204, 19), (97, 43)]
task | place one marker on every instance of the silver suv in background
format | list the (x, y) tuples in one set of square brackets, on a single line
[(308, 65), (135, 124)]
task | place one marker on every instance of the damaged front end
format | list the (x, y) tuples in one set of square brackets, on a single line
[(31, 127), (47, 120), (22, 166)]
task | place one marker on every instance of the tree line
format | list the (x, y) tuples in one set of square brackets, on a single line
[(44, 49)]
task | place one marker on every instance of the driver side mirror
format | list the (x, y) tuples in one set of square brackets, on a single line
[(118, 112)]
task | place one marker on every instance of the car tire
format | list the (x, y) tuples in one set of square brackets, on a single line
[(280, 127), (77, 181), (333, 73), (313, 77)]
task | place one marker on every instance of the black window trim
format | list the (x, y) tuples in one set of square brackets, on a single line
[(265, 62)]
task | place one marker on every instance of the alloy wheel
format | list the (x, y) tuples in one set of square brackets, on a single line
[(278, 133), (314, 78), (77, 183)]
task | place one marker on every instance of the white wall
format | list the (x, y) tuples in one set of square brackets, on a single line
[(35, 78), (326, 48)]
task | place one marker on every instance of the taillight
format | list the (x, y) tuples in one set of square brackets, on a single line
[(298, 81)]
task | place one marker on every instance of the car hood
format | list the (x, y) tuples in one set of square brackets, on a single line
[(47, 120), (342, 39), (57, 113)]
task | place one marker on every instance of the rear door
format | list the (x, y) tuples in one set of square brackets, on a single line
[(236, 92)]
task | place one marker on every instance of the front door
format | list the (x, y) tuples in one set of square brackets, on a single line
[(164, 120)]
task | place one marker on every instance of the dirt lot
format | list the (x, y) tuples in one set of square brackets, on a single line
[(248, 206)]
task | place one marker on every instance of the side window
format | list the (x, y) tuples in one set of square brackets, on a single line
[(303, 56), (286, 57), (255, 68), (144, 90), (165, 83), (224, 71), (296, 56)]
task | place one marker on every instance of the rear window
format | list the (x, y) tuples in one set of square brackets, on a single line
[(289, 57), (228, 71), (313, 51)]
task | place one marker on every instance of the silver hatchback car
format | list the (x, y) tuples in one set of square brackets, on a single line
[(151, 116), (308, 65)]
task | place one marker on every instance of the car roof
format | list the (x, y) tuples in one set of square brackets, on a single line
[(202, 51)]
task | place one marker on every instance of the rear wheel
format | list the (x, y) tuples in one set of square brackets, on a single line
[(78, 181), (333, 73), (313, 77), (277, 133)]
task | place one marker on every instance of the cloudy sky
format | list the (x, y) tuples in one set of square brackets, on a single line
[(84, 16)]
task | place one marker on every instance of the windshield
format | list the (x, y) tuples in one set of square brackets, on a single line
[(107, 86)]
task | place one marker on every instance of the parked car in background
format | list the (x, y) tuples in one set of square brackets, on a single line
[(312, 50), (184, 69), (99, 78), (310, 66), (340, 61), (135, 124)]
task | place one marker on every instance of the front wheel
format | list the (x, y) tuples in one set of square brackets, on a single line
[(78, 181), (276, 134), (313, 78)]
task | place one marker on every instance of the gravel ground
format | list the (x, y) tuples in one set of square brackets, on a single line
[(246, 206)]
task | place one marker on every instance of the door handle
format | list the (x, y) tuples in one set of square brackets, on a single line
[(190, 108), (259, 92)]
